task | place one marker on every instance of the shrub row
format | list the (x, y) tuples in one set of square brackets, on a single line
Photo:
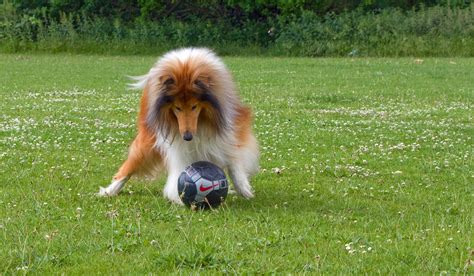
[(433, 31)]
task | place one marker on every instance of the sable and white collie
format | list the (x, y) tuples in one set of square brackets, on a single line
[(190, 111)]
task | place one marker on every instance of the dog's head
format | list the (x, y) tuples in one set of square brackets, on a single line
[(187, 94)]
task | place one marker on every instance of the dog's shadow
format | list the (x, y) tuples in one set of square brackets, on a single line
[(272, 200), (271, 193)]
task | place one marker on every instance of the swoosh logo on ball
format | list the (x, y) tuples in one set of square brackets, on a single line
[(203, 189)]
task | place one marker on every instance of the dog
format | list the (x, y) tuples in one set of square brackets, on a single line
[(190, 111)]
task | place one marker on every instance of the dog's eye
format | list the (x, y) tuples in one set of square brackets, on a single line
[(200, 84), (169, 81), (193, 107), (177, 108)]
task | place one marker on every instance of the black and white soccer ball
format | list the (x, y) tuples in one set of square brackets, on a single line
[(202, 185)]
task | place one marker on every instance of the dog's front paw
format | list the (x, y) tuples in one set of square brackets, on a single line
[(247, 194), (170, 192), (177, 201), (114, 188), (173, 198), (103, 192), (245, 190)]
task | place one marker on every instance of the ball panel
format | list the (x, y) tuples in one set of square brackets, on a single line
[(186, 189), (208, 170)]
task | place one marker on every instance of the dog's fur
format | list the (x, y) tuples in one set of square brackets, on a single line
[(190, 111)]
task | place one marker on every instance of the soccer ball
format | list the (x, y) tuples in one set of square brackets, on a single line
[(202, 185)]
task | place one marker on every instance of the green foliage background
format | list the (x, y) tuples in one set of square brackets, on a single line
[(271, 27)]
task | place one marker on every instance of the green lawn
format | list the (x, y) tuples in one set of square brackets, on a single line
[(376, 160)]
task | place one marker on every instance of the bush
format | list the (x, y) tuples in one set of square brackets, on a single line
[(437, 31), (427, 31)]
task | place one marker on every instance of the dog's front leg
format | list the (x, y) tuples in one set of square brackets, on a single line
[(171, 187), (141, 152), (119, 180), (240, 180)]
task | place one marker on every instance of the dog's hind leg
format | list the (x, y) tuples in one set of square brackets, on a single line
[(142, 158)]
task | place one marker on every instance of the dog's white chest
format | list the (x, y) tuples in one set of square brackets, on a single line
[(183, 153)]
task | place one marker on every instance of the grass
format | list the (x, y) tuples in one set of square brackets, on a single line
[(375, 159)]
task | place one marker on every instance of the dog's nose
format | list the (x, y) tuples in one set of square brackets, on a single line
[(187, 136)]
